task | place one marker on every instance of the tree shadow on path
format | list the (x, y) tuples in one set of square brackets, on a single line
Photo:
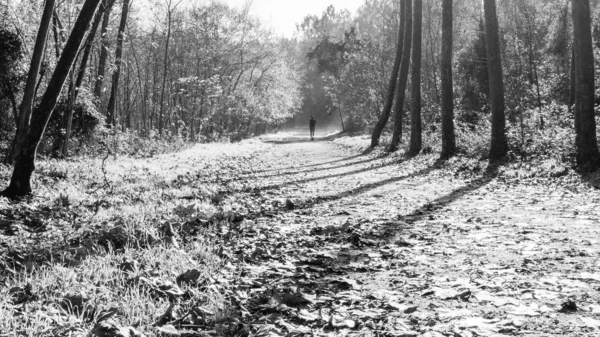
[(431, 207), (393, 228), (312, 165), (312, 170), (302, 139), (337, 175), (371, 186)]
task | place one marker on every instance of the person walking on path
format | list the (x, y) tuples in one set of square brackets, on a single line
[(312, 123)]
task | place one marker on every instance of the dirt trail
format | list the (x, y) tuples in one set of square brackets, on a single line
[(381, 246)]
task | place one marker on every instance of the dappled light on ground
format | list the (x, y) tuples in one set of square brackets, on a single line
[(292, 237)]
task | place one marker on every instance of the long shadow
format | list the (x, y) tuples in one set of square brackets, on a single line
[(367, 187), (293, 140), (312, 165), (420, 213), (432, 206), (302, 181), (309, 170)]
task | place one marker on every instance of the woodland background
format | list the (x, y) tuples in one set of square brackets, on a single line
[(202, 71)]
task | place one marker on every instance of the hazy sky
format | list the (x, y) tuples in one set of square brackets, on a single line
[(283, 15)]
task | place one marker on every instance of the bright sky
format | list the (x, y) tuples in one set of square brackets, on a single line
[(283, 15)]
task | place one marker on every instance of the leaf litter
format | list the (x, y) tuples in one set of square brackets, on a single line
[(312, 240)]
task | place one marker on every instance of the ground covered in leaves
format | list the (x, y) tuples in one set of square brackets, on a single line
[(288, 237)]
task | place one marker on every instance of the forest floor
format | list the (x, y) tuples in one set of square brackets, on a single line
[(291, 237)]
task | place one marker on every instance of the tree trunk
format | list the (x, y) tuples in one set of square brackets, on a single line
[(20, 183), (499, 145), (111, 110), (448, 138), (34, 69), (585, 123), (416, 140), (165, 68), (402, 79), (389, 102), (80, 76), (103, 54)]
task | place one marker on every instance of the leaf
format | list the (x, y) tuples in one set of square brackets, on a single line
[(168, 330), (110, 329), (590, 322), (407, 309), (291, 300), (190, 276)]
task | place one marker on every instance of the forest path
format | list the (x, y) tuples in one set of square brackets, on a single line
[(408, 248)]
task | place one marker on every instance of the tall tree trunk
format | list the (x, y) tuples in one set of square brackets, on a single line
[(448, 138), (103, 54), (20, 183), (111, 110), (499, 145), (402, 80), (34, 69), (80, 76), (165, 68), (389, 102), (416, 140), (585, 123)]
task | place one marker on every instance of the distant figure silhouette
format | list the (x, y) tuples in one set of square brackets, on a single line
[(312, 123)]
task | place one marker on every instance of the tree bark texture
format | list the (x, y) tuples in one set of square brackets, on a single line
[(111, 110), (20, 183), (402, 80), (389, 102), (499, 144), (448, 137), (585, 123), (34, 69), (416, 139), (89, 43), (103, 54), (165, 68)]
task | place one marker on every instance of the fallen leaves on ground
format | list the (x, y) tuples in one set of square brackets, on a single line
[(313, 240)]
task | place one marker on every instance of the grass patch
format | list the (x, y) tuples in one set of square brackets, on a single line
[(131, 241)]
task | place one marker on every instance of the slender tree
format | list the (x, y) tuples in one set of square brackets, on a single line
[(585, 123), (389, 102), (170, 9), (448, 138), (87, 51), (111, 110), (402, 80), (20, 183), (499, 144), (416, 138), (34, 69), (103, 53)]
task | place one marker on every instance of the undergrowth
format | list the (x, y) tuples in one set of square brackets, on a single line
[(536, 149), (120, 238)]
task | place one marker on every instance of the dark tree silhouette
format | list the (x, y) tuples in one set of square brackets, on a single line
[(448, 138), (402, 79), (111, 110), (416, 140), (34, 69), (389, 102), (499, 145), (20, 183), (585, 124), (103, 53)]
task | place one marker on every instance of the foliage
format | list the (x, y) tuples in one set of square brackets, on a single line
[(11, 79)]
